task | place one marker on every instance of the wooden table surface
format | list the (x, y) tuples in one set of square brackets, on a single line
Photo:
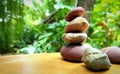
[(46, 63)]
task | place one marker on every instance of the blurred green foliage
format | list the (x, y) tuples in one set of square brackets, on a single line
[(104, 24), (11, 24), (44, 25)]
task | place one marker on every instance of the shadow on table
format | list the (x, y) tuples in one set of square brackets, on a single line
[(104, 70)]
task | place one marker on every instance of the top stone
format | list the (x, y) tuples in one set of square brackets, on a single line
[(76, 12)]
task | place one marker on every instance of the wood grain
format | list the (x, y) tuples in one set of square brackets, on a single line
[(46, 63)]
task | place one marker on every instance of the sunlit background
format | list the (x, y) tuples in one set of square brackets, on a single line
[(36, 26)]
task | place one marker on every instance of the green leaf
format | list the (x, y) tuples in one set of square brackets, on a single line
[(45, 35)]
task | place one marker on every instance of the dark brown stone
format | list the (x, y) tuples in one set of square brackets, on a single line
[(77, 11), (73, 52)]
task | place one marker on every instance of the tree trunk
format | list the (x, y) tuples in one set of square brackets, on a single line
[(87, 5)]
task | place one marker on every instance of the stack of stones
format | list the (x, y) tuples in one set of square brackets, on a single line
[(76, 50), (75, 35)]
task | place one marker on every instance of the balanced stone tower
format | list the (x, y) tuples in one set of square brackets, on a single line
[(75, 35)]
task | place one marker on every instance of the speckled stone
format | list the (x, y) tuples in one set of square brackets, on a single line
[(74, 38), (79, 24), (95, 59)]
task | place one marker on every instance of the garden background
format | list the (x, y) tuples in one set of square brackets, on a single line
[(36, 26)]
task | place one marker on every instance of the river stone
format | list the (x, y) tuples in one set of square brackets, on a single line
[(95, 59), (79, 24), (113, 53), (74, 38), (73, 52)]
